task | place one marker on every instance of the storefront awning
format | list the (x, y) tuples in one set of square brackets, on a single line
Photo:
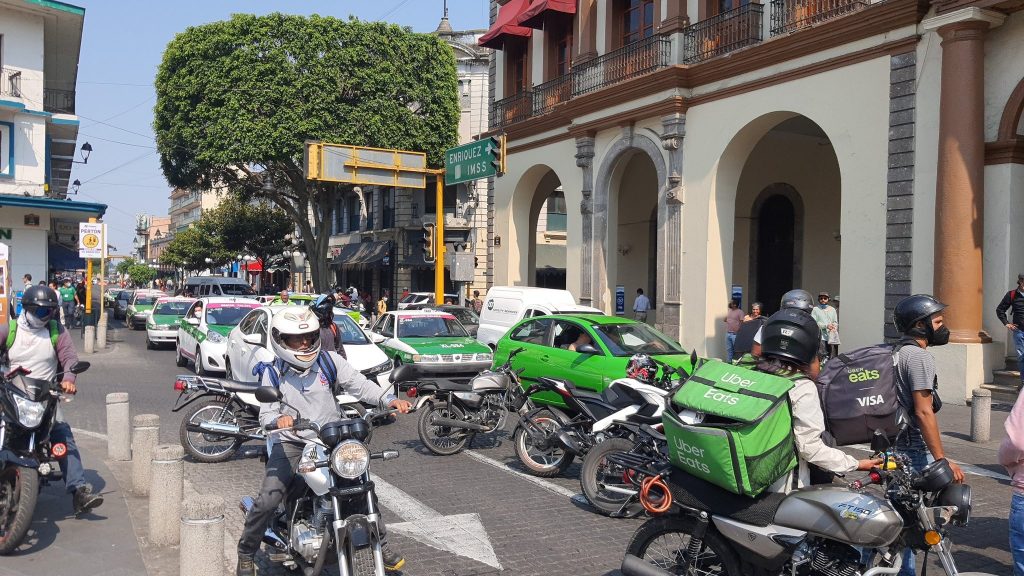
[(362, 254), (533, 16), (506, 25), (62, 258)]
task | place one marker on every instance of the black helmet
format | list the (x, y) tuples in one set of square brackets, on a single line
[(792, 335), (323, 307), (642, 368), (912, 309), (797, 299), (41, 302)]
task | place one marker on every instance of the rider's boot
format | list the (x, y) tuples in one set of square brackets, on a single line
[(85, 501), (246, 565), (393, 561)]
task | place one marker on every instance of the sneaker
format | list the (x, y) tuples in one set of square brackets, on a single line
[(85, 501), (393, 561), (246, 565)]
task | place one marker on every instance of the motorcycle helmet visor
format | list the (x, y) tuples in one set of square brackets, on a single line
[(44, 313), (301, 343)]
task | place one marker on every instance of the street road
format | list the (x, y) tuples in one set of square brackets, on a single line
[(495, 518)]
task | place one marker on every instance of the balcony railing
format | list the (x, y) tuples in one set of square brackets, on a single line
[(548, 94), (721, 34), (790, 15), (60, 101), (637, 59), (10, 82), (515, 108)]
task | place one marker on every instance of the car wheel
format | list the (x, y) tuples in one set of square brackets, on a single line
[(149, 344), (179, 358), (200, 369)]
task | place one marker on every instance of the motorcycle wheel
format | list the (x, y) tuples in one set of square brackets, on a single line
[(442, 440), (544, 462), (19, 489), (598, 472), (204, 447), (663, 542)]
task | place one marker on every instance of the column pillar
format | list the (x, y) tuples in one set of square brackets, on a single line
[(587, 20), (670, 228), (675, 17), (585, 161)]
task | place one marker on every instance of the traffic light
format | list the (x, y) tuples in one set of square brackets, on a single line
[(496, 145), (428, 243)]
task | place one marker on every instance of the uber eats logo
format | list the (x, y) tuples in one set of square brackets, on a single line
[(722, 397), (861, 375), (690, 456)]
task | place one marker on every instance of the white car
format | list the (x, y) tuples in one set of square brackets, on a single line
[(162, 323), (203, 332), (249, 344), (423, 298)]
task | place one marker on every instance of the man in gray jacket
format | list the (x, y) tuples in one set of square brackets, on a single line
[(308, 391)]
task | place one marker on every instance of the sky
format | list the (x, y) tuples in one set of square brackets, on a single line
[(122, 45)]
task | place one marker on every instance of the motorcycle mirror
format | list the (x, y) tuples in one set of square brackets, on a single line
[(404, 373), (268, 394), (879, 443), (587, 349), (79, 367)]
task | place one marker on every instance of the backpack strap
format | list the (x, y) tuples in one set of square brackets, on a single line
[(327, 366), (12, 331), (54, 333), (272, 372), (1012, 294)]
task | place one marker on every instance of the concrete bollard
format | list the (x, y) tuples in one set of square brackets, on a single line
[(981, 415), (202, 537), (101, 332), (119, 431), (89, 340), (166, 485), (145, 435)]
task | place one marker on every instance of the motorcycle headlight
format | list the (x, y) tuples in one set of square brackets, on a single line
[(350, 459), (214, 337), (30, 414)]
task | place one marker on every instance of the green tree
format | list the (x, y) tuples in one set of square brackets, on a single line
[(124, 265), (237, 99), (190, 248), (254, 229), (141, 274)]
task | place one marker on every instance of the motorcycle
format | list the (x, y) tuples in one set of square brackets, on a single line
[(313, 527), (454, 412), (548, 439), (27, 457), (225, 415), (817, 531)]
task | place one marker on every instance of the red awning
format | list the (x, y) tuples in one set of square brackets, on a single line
[(506, 25), (256, 266), (534, 15)]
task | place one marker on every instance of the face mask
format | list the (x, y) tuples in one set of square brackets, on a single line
[(34, 322), (938, 337)]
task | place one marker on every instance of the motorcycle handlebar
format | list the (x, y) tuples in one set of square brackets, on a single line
[(298, 424)]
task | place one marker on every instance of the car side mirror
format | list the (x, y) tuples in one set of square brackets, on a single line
[(192, 321), (376, 338), (268, 394), (254, 339), (587, 349), (79, 367)]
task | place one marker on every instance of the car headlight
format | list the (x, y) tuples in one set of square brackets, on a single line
[(350, 459), (486, 356), (150, 325), (387, 366), (426, 358), (214, 337), (30, 414)]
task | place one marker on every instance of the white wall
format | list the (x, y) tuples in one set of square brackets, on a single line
[(29, 138), (28, 244), (23, 50)]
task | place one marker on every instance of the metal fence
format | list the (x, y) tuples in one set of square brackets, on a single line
[(723, 33), (549, 94), (10, 82), (515, 108), (790, 15), (637, 59), (59, 101)]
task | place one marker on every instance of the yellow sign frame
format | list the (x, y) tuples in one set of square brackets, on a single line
[(365, 171)]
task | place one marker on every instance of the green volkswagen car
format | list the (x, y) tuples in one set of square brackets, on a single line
[(140, 307), (162, 324), (434, 341), (588, 350)]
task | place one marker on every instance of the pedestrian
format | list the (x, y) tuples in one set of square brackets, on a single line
[(476, 302), (733, 320), (641, 306), (284, 296), (27, 281), (919, 319), (382, 304), (1011, 456), (755, 312), (405, 292), (67, 303), (828, 321), (1014, 302), (752, 324), (309, 287)]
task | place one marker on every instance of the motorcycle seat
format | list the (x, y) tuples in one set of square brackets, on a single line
[(699, 494), (553, 382), (448, 386), (236, 386)]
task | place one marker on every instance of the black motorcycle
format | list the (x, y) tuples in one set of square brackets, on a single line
[(27, 457), (222, 415)]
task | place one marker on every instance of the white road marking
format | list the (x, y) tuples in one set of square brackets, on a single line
[(967, 468), (90, 434), (549, 486), (461, 534)]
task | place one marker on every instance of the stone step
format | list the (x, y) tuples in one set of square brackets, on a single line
[(1005, 386), (1011, 363)]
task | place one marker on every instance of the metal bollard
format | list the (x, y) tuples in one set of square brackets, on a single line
[(166, 485), (101, 332), (981, 415), (202, 537), (119, 431), (145, 435), (89, 340)]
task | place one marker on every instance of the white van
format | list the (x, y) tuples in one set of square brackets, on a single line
[(506, 305)]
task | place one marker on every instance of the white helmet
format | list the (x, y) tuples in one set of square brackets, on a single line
[(292, 322)]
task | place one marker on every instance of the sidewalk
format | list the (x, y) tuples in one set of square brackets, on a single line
[(102, 543)]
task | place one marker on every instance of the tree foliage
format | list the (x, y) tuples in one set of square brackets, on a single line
[(190, 248), (141, 274), (124, 265), (237, 99), (248, 229)]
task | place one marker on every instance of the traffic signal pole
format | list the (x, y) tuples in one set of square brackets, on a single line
[(439, 247)]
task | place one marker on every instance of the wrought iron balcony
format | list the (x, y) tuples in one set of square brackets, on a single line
[(790, 15), (60, 101), (515, 108), (631, 61), (10, 82), (724, 33), (548, 94)]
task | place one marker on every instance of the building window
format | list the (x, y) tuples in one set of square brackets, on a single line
[(556, 212), (338, 226), (388, 208), (720, 6), (353, 213), (515, 67), (430, 199), (466, 94), (369, 209), (636, 20), (559, 33)]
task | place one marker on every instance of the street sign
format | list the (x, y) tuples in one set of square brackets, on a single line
[(480, 159), (620, 300), (366, 166), (90, 240), (463, 269)]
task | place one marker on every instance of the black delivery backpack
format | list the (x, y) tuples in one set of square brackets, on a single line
[(858, 394)]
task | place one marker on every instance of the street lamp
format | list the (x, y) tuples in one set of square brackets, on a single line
[(75, 186), (85, 151)]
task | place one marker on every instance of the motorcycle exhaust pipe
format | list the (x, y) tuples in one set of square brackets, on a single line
[(220, 429), (569, 443), (633, 566), (618, 490), (460, 424), (269, 537)]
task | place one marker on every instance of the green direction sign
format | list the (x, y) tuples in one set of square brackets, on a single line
[(479, 159)]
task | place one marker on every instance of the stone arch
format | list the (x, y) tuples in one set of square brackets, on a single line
[(790, 193), (532, 190), (1012, 114)]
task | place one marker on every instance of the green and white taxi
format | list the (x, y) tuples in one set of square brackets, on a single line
[(203, 332), (434, 341), (140, 307), (162, 324)]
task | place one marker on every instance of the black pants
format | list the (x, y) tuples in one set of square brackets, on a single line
[(280, 475)]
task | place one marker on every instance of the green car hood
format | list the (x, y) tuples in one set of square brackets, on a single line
[(166, 319), (683, 361), (140, 308), (446, 345), (220, 329)]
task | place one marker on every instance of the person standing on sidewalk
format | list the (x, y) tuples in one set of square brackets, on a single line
[(1011, 456), (919, 319), (476, 302), (1014, 302), (828, 321), (733, 320), (641, 306), (68, 303)]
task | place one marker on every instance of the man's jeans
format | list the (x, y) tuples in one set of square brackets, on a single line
[(69, 314), (1017, 533), (70, 464), (918, 460), (730, 346), (1018, 341)]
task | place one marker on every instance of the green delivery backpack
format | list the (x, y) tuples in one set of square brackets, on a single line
[(732, 426)]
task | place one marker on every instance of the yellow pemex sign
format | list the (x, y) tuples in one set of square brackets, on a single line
[(365, 166)]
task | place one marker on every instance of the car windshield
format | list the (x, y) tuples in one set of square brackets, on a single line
[(410, 298), (465, 315), (237, 290), (145, 300), (429, 327), (171, 308), (350, 332), (226, 314), (635, 338)]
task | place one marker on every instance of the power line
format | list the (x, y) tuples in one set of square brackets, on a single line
[(119, 166), (123, 112), (393, 10), (117, 141)]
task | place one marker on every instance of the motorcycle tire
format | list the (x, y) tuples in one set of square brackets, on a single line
[(214, 408), (19, 490), (548, 468), (597, 471), (442, 440), (715, 557)]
